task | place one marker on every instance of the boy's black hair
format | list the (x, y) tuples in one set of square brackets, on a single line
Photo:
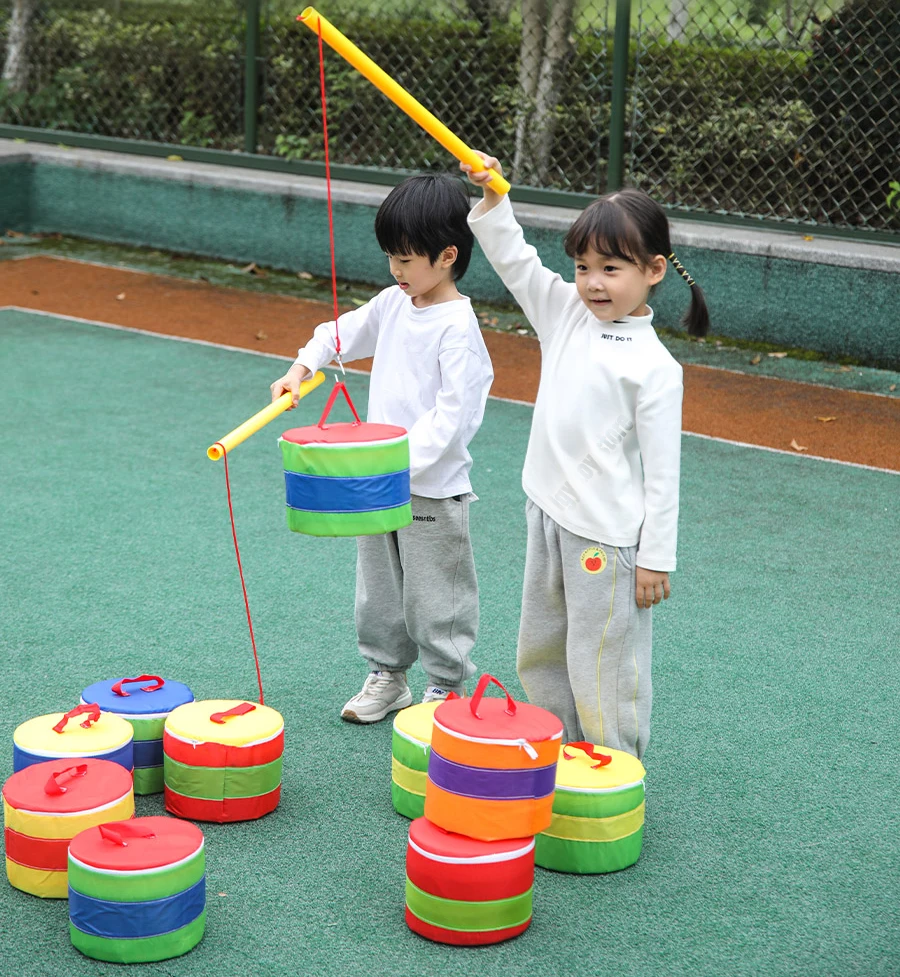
[(630, 225), (424, 215)]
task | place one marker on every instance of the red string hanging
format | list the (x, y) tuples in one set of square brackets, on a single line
[(237, 553), (337, 336)]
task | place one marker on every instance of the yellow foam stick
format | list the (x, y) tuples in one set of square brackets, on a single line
[(251, 426), (398, 95)]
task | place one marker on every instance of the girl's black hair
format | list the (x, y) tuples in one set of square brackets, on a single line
[(424, 215), (630, 225)]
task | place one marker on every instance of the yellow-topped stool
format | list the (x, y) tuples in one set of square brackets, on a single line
[(222, 760), (81, 732), (410, 746), (598, 812)]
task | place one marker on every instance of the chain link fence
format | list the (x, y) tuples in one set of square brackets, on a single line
[(787, 110)]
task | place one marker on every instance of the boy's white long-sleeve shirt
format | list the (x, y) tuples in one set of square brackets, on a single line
[(431, 374), (604, 453)]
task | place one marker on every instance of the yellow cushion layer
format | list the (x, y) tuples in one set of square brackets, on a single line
[(410, 780), (623, 770), (416, 722), (109, 733), (596, 829), (66, 826), (191, 722), (38, 881)]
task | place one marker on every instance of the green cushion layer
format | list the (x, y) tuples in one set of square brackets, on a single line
[(351, 462), (599, 805), (411, 806), (149, 780), (349, 523), (470, 917), (217, 783), (409, 754), (587, 857), (147, 729), (140, 886), (144, 950)]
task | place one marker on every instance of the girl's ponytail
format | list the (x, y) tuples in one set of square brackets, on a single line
[(696, 319)]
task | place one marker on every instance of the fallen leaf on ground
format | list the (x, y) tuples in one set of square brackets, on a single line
[(777, 356), (756, 360), (174, 158), (14, 234), (357, 302), (807, 237), (798, 447), (825, 420), (305, 275), (522, 332), (893, 386), (262, 335), (846, 369), (121, 297), (251, 269)]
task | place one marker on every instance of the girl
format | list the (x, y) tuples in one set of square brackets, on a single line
[(602, 468)]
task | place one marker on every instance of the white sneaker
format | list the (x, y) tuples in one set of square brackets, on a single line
[(437, 693), (382, 692)]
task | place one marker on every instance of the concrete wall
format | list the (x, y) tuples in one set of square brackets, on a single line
[(838, 297)]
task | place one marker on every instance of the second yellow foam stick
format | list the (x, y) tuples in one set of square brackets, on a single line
[(397, 94), (260, 419)]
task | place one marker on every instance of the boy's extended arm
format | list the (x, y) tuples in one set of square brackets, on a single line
[(359, 334), (460, 396)]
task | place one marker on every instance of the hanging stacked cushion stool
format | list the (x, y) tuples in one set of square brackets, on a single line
[(492, 767), (346, 479), (463, 891), (146, 709), (410, 746), (45, 805), (137, 890), (222, 760), (598, 812), (100, 735)]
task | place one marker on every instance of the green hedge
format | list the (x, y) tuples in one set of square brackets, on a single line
[(714, 128)]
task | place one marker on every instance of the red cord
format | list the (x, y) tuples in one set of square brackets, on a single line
[(237, 553), (337, 336)]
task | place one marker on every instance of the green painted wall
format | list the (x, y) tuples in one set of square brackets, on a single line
[(834, 310)]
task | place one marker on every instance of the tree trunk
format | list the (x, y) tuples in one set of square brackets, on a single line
[(545, 45), (15, 69), (678, 19)]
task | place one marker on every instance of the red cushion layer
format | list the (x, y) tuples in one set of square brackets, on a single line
[(471, 883), (460, 938), (219, 755), (47, 854), (230, 809)]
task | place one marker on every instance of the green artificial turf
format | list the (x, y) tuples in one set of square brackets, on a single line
[(772, 820)]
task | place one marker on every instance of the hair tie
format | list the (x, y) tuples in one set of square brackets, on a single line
[(679, 267)]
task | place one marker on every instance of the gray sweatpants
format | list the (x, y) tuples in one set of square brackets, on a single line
[(417, 594), (584, 645)]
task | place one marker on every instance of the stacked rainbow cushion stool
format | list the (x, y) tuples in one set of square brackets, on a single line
[(45, 805), (100, 735), (463, 891), (146, 709), (346, 479), (137, 890), (410, 746), (222, 760), (492, 766), (598, 812)]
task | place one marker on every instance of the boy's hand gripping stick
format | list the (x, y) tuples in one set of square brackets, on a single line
[(251, 426), (398, 95)]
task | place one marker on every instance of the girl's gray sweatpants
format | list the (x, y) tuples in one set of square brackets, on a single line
[(584, 645), (417, 594)]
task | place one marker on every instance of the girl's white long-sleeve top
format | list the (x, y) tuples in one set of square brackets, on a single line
[(604, 453), (431, 374)]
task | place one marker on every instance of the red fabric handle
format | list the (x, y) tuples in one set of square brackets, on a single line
[(241, 710), (589, 749), (118, 831), (55, 784), (118, 690), (93, 714), (338, 387), (477, 696)]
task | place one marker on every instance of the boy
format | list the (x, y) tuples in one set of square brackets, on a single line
[(416, 589)]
